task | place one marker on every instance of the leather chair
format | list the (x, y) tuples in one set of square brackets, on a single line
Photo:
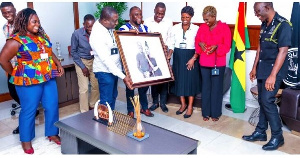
[(197, 101), (290, 108)]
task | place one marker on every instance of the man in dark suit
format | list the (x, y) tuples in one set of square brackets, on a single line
[(146, 63), (270, 67)]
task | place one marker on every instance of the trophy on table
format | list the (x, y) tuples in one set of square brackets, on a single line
[(138, 132)]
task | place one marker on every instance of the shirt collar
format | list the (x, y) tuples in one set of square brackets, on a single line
[(163, 20), (84, 33)]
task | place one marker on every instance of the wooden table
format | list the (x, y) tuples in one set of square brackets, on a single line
[(82, 135), (68, 91)]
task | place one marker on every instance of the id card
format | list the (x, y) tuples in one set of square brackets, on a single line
[(44, 56), (215, 72), (182, 45), (114, 51)]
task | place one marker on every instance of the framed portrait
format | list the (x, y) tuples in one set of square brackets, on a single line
[(144, 59)]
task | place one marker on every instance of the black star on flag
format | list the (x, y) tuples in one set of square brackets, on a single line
[(238, 54)]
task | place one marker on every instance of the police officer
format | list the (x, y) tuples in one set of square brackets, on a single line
[(270, 68)]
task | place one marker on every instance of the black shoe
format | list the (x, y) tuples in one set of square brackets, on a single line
[(186, 116), (37, 113), (256, 136), (164, 108), (274, 143), (16, 131), (228, 107), (180, 112), (153, 107)]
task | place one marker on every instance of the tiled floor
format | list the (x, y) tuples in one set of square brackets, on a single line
[(222, 137)]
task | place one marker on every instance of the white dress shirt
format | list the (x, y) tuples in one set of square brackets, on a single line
[(102, 41), (176, 36), (163, 27)]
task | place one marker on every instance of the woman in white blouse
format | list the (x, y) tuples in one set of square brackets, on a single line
[(185, 61)]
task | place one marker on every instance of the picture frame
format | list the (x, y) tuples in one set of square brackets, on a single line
[(144, 58)]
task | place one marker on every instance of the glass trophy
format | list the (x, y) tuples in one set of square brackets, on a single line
[(58, 50)]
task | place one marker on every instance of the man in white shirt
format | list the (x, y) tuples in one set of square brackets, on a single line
[(107, 64), (163, 25)]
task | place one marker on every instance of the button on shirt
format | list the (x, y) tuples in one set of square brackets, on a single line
[(163, 27), (176, 36), (80, 47), (269, 49), (102, 41)]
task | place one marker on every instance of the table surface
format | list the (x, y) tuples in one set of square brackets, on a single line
[(161, 141), (68, 61)]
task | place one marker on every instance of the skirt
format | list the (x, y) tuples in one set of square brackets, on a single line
[(187, 82)]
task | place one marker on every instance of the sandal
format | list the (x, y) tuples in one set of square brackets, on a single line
[(205, 118)]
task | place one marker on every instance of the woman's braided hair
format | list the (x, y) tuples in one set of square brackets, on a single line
[(22, 20)]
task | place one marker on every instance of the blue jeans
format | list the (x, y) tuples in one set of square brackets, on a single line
[(30, 97), (108, 84), (142, 96)]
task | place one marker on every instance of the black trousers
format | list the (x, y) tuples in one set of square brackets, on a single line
[(268, 109), (212, 92), (12, 91), (162, 90)]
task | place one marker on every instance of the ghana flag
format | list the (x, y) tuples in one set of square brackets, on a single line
[(237, 61)]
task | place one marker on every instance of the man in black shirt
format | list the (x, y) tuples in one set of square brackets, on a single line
[(270, 68)]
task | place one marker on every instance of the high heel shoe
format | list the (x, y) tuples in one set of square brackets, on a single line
[(28, 151), (27, 144), (178, 112), (57, 140)]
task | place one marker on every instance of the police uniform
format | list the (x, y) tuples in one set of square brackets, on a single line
[(276, 35)]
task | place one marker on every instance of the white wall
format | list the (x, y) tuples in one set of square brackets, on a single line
[(3, 79), (86, 8), (284, 8), (59, 25)]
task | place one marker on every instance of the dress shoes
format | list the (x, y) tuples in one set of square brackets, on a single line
[(153, 107), (274, 143), (131, 114), (147, 113), (16, 131), (164, 108), (256, 136)]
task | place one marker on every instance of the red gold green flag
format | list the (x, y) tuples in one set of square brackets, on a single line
[(238, 61)]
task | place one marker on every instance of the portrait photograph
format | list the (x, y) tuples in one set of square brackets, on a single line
[(143, 58)]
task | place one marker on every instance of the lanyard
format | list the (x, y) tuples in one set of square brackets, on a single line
[(183, 33), (112, 36)]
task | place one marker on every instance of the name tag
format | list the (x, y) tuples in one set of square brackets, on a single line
[(114, 51), (44, 56), (215, 72), (182, 45)]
